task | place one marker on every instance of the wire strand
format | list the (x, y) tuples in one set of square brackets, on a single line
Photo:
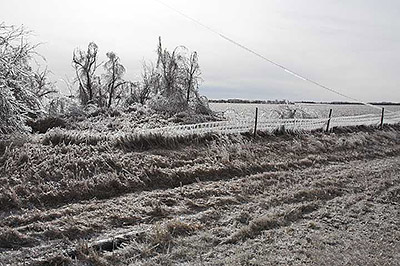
[(293, 73)]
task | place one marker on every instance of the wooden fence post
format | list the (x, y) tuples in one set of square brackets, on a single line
[(383, 114), (255, 123), (329, 121)]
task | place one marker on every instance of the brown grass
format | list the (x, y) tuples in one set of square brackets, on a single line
[(272, 221), (178, 228)]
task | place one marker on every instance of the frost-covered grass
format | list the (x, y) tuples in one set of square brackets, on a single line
[(56, 171), (128, 142), (125, 128), (132, 118), (197, 202)]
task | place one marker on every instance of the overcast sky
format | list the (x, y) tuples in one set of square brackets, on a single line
[(349, 45)]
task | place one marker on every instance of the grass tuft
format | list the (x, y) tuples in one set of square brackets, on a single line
[(272, 221), (11, 238)]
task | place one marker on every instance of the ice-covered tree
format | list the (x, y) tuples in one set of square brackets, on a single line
[(170, 69), (113, 77), (136, 92), (191, 74), (86, 64), (20, 86), (174, 81), (41, 85)]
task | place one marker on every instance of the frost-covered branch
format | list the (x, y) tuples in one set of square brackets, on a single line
[(18, 82)]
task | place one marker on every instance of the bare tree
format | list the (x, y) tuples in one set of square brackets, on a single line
[(113, 77), (191, 74), (41, 85), (85, 64)]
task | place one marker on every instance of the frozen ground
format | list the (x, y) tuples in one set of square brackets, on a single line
[(312, 199)]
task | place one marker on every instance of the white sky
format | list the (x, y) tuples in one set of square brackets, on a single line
[(350, 45)]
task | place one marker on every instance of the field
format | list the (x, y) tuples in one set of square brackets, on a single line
[(237, 110), (318, 199)]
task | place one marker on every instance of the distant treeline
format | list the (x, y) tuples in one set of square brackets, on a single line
[(252, 101), (349, 103)]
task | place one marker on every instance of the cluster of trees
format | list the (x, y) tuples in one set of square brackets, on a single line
[(174, 80), (169, 85), (94, 89)]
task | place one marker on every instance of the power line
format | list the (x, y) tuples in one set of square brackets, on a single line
[(293, 73)]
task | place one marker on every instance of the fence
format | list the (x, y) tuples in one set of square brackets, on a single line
[(269, 125)]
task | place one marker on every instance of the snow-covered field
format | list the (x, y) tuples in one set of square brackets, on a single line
[(317, 110), (318, 199)]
